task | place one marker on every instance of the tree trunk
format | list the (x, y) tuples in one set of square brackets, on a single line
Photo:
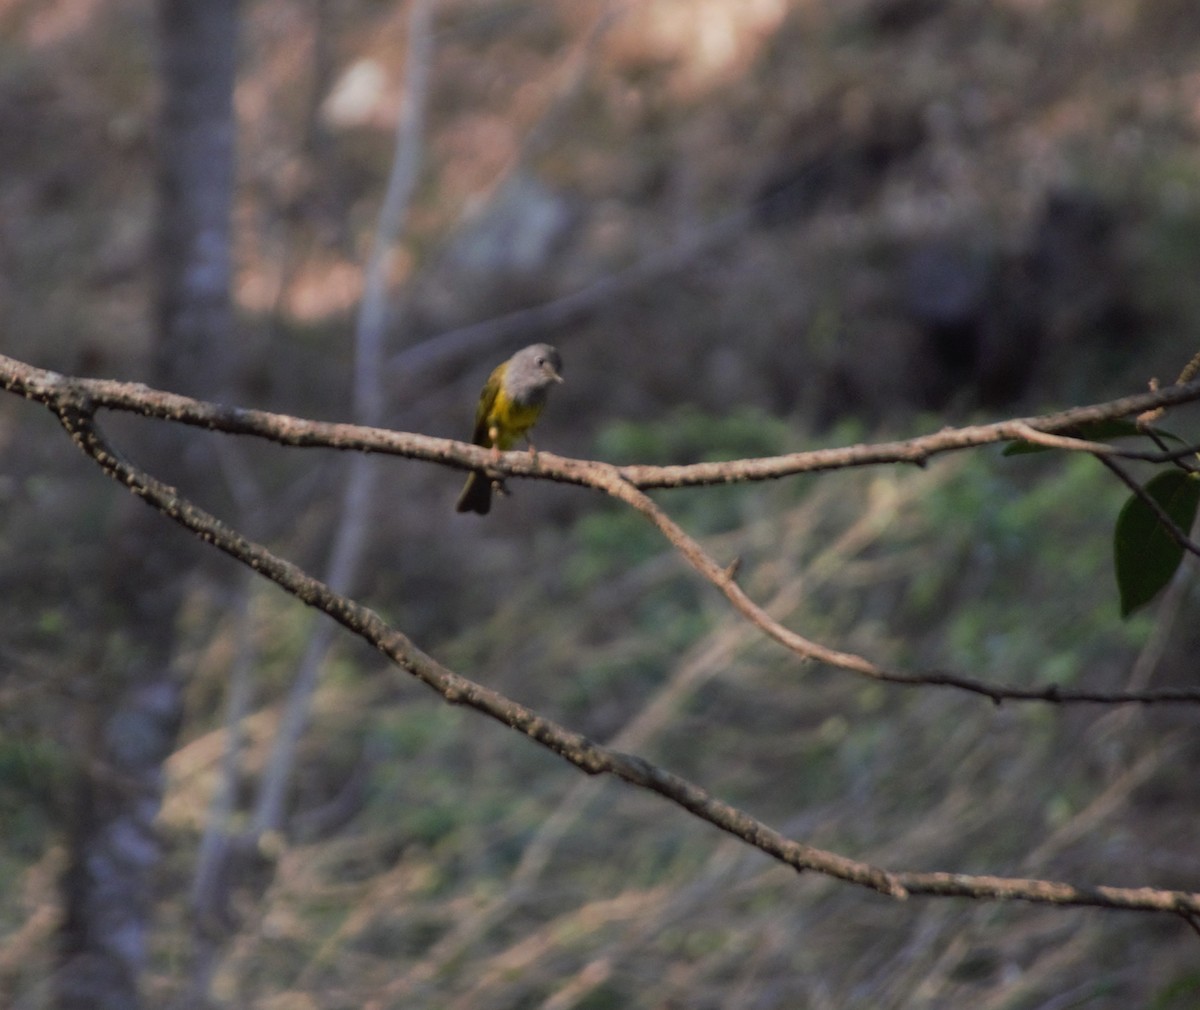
[(136, 704)]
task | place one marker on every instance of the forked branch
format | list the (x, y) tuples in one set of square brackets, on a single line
[(629, 484), (76, 416)]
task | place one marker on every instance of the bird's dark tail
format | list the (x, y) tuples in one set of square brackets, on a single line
[(476, 495)]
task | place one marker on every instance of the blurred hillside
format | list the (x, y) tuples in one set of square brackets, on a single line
[(750, 227), (943, 203)]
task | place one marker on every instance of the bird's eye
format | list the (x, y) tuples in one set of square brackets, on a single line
[(541, 361)]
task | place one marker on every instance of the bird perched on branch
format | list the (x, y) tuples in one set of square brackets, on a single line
[(511, 402)]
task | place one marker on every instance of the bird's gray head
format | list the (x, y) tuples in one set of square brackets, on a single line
[(531, 372)]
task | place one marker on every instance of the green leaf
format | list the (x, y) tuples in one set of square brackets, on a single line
[(1093, 431), (1146, 556)]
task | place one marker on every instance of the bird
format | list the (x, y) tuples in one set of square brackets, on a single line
[(511, 402)]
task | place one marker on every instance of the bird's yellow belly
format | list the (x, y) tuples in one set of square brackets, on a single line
[(510, 421)]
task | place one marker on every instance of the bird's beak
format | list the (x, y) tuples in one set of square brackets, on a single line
[(555, 376)]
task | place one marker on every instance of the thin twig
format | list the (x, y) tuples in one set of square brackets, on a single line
[(1065, 442), (721, 577), (1186, 375), (1170, 527)]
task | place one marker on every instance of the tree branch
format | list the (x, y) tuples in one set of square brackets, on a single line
[(45, 386), (76, 416), (627, 484)]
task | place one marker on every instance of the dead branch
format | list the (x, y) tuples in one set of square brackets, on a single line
[(46, 386), (628, 484), (76, 416)]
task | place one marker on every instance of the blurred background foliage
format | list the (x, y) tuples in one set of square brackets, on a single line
[(783, 224)]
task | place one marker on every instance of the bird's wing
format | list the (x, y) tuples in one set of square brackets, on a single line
[(487, 400)]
